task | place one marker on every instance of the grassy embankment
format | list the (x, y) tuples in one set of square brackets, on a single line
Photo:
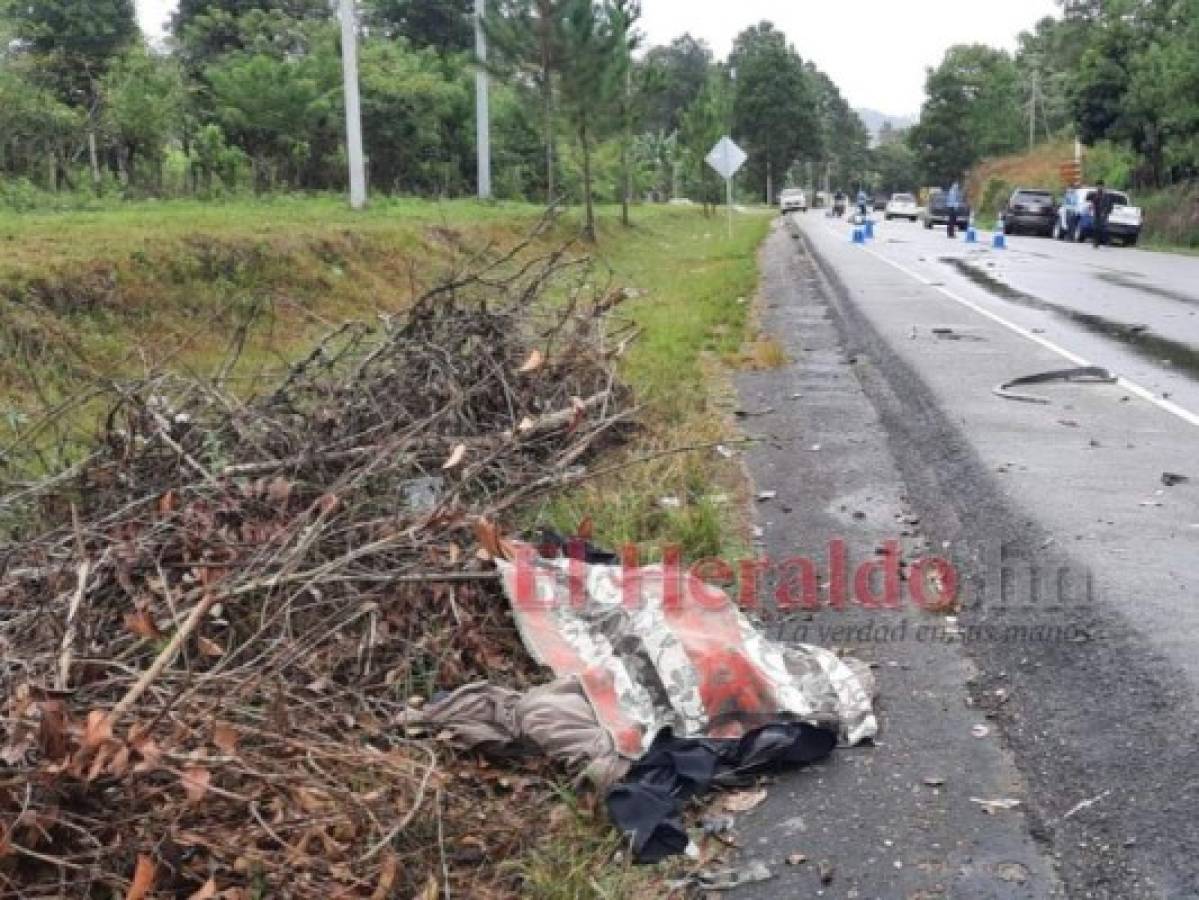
[(122, 292), (1171, 214), (87, 296)]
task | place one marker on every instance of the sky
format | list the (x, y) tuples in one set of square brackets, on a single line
[(876, 51)]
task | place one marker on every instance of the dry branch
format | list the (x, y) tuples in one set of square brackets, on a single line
[(202, 669)]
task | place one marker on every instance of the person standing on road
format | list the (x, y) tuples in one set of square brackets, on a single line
[(953, 199), (1101, 208)]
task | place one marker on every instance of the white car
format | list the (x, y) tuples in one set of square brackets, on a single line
[(793, 199), (902, 206)]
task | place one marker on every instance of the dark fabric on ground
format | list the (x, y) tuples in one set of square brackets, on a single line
[(647, 806)]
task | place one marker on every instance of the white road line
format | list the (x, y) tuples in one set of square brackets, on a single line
[(1131, 386)]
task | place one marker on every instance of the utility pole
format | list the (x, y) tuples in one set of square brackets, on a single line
[(482, 103), (349, 67)]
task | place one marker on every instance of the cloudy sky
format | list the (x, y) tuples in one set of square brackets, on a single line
[(876, 50)]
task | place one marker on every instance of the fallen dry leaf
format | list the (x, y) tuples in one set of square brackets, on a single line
[(225, 737), (207, 892), (143, 878), (535, 361), (142, 624), (456, 457), (387, 877), (195, 783), (99, 729), (744, 801), (431, 891), (279, 491), (209, 647)]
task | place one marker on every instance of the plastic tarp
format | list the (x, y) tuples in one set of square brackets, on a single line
[(657, 649)]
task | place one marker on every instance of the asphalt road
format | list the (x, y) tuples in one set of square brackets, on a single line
[(1084, 675)]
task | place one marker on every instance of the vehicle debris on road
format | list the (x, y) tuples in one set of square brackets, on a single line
[(1082, 374)]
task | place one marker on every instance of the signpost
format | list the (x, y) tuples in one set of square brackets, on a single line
[(726, 159)]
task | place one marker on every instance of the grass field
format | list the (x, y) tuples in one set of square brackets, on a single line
[(89, 296)]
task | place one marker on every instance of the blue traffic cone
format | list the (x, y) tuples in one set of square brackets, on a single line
[(971, 235), (869, 229), (859, 236), (999, 240)]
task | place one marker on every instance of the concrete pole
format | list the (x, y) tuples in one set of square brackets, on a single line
[(349, 67), (482, 103)]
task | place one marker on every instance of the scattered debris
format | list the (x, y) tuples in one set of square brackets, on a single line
[(826, 871), (1012, 872), (980, 731), (991, 807), (1085, 804), (752, 872), (764, 496), (796, 859), (934, 781), (1084, 375), (744, 801), (670, 503)]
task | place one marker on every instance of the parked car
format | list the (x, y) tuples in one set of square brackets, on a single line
[(902, 206), (1029, 211), (793, 199), (1076, 218), (937, 210), (879, 202)]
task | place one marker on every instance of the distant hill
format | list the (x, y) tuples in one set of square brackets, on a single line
[(873, 120)]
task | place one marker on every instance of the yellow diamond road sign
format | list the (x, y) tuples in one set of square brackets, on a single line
[(726, 158)]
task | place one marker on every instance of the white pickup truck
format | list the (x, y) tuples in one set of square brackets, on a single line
[(793, 199), (1076, 217)]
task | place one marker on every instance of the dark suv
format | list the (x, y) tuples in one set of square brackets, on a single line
[(937, 210), (1029, 211)]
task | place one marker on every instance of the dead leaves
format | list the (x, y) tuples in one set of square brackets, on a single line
[(99, 729), (225, 737), (387, 877), (207, 892), (535, 361), (456, 457), (141, 623), (143, 879), (195, 780), (744, 801)]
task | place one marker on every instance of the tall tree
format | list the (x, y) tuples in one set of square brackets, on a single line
[(972, 110), (621, 17), (206, 29), (445, 25), (528, 42), (703, 123), (775, 112), (73, 41), (678, 72), (143, 106), (591, 50)]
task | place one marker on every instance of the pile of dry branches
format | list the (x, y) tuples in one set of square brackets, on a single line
[(208, 625)]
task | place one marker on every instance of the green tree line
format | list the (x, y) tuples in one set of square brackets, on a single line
[(1120, 75), (246, 95)]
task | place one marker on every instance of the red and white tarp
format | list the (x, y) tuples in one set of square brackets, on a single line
[(657, 648)]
